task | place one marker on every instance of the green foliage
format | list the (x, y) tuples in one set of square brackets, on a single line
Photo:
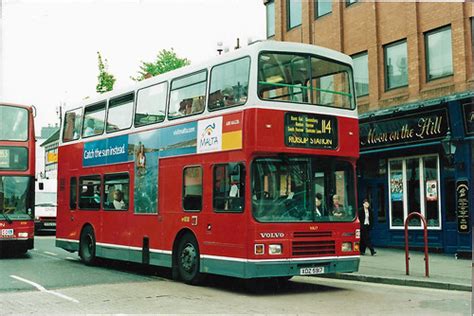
[(166, 60), (106, 80)]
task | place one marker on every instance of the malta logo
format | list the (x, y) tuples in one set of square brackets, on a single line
[(210, 135), (208, 130)]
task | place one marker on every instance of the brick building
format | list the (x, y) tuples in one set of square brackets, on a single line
[(414, 78)]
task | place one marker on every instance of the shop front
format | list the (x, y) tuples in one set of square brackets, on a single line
[(419, 158)]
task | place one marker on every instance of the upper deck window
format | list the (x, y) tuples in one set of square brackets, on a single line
[(72, 125), (151, 104), (94, 120), (188, 95), (229, 84), (120, 113), (13, 123), (300, 78)]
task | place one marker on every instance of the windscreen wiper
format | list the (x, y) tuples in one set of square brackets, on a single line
[(9, 220)]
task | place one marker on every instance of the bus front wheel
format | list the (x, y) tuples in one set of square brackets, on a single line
[(87, 246), (188, 260)]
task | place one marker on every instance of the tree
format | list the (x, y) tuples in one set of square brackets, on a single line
[(106, 80), (166, 60)]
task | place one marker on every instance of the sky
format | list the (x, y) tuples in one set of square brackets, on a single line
[(49, 48)]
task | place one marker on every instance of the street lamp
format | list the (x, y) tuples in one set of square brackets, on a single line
[(449, 147)]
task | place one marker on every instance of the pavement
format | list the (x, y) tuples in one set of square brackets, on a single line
[(388, 266)]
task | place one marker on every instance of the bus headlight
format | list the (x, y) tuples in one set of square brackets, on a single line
[(274, 249), (259, 249), (346, 246), (358, 233)]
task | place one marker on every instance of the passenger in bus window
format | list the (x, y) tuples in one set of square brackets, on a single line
[(337, 210), (185, 107), (228, 94), (317, 205), (119, 204), (197, 105), (89, 130)]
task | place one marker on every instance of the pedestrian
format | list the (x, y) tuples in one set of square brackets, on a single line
[(366, 219)]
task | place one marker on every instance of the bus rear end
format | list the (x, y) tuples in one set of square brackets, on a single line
[(17, 171)]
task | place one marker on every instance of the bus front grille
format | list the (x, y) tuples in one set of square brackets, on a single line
[(305, 248), (312, 234)]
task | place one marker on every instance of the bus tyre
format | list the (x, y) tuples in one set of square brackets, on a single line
[(188, 260), (87, 246)]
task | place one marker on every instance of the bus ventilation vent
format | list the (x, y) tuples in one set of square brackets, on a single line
[(305, 248), (312, 234)]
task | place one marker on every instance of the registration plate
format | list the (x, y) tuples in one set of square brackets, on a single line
[(50, 224), (7, 232), (311, 270)]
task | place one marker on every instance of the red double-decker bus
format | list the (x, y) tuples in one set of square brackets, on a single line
[(243, 166), (17, 178)]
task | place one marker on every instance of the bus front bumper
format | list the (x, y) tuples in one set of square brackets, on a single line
[(280, 268)]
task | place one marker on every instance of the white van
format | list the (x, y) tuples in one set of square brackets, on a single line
[(45, 205)]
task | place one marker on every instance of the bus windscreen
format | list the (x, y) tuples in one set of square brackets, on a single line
[(13, 123), (302, 190)]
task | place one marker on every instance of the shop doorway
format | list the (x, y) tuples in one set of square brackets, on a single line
[(376, 191)]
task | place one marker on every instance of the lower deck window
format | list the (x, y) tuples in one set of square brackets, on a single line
[(228, 188), (89, 193), (192, 189), (116, 192)]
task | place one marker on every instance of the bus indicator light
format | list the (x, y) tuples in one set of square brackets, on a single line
[(259, 249)]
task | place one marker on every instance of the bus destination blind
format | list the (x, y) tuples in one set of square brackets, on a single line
[(310, 131)]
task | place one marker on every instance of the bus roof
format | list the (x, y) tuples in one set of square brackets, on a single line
[(251, 50), (28, 107)]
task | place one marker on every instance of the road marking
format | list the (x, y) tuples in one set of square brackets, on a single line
[(71, 258), (42, 289), (50, 253)]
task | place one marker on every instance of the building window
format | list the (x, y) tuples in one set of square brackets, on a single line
[(472, 43), (192, 189), (229, 84), (439, 58), (361, 73), (294, 13), (228, 195), (414, 187), (270, 9), (120, 113), (349, 2), (322, 7), (116, 191), (396, 66)]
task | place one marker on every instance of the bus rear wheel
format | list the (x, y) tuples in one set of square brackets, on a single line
[(87, 246), (188, 260)]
